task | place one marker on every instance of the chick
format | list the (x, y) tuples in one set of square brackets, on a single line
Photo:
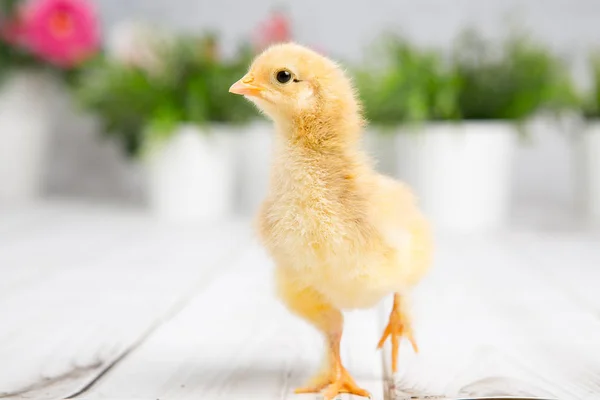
[(342, 236)]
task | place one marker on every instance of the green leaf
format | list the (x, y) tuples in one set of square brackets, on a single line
[(413, 85), (510, 81), (190, 85)]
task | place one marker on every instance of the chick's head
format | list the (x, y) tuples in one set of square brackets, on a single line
[(289, 81)]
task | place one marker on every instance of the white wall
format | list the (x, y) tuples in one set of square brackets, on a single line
[(346, 27)]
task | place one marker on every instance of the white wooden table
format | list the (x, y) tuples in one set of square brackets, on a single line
[(98, 303)]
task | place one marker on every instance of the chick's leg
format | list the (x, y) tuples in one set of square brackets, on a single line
[(398, 326), (333, 378)]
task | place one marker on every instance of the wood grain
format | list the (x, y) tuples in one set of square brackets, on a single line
[(490, 324), (234, 341), (100, 303), (59, 331)]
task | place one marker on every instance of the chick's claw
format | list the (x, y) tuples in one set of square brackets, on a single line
[(397, 327), (340, 383), (315, 387), (342, 386)]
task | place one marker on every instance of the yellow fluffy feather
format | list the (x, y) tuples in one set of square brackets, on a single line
[(341, 235)]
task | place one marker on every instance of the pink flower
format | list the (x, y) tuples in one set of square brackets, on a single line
[(63, 32), (276, 29)]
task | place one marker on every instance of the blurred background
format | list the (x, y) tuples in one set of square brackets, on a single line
[(486, 108)]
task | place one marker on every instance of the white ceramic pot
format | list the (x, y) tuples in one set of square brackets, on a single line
[(254, 153), (590, 161), (380, 145), (191, 175), (26, 116), (460, 172)]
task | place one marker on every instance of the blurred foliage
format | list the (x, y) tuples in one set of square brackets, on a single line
[(7, 7), (138, 105), (591, 103), (12, 56), (14, 59), (481, 80), (411, 86), (511, 81)]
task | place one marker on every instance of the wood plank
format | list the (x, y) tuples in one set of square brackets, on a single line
[(236, 341), (488, 325), (568, 261), (61, 240), (58, 334), (14, 218), (18, 219), (512, 314), (30, 232)]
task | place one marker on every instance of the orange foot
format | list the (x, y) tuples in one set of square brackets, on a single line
[(335, 382), (398, 326)]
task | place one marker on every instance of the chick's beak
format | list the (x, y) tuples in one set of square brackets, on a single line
[(246, 87)]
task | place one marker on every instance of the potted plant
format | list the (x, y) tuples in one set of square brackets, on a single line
[(589, 145), (470, 110), (407, 87), (501, 87), (169, 107), (42, 44)]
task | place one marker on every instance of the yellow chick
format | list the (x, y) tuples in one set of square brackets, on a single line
[(341, 236)]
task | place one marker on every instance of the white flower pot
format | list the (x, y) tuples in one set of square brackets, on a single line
[(254, 153), (460, 172), (191, 175), (26, 116), (590, 161), (380, 145)]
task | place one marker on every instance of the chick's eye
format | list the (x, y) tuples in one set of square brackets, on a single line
[(283, 76)]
